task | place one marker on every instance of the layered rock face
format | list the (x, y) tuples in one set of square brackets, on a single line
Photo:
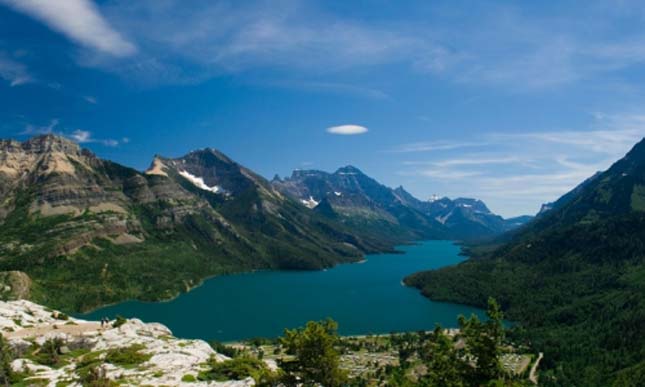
[(63, 173), (166, 360)]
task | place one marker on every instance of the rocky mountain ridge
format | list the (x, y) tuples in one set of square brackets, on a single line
[(350, 194)]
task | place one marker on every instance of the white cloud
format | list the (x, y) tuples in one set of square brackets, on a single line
[(347, 129), (226, 37), (13, 72), (501, 46), (90, 99), (79, 20), (81, 136), (31, 129), (78, 135), (84, 136)]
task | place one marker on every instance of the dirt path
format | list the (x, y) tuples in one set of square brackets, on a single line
[(70, 329), (533, 375)]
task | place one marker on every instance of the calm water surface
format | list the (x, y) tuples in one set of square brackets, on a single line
[(364, 298)]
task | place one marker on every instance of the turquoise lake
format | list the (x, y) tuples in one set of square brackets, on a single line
[(363, 298)]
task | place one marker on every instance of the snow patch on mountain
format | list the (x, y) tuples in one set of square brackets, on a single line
[(443, 219), (199, 182), (310, 203)]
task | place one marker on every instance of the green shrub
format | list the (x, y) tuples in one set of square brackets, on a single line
[(188, 378), (95, 377), (6, 356), (128, 357), (50, 353), (224, 349), (120, 320), (60, 316), (235, 369)]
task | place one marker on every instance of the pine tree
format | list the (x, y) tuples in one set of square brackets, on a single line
[(317, 361)]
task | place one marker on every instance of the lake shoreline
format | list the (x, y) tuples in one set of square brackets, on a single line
[(261, 303)]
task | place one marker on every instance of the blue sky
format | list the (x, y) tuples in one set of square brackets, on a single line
[(511, 102)]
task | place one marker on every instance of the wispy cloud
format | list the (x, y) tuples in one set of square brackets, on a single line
[(226, 37), (84, 137), (428, 146), (493, 45), (32, 130), (331, 87), (78, 135), (347, 130), (79, 20), (13, 71), (606, 141), (486, 160), (520, 169)]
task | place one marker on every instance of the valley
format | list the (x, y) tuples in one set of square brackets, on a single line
[(80, 233), (86, 232), (310, 193)]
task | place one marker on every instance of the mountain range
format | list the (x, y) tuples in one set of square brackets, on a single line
[(574, 278), (89, 231), (79, 232), (364, 204)]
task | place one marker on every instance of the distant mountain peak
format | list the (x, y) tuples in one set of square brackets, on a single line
[(352, 195), (298, 173), (51, 143), (434, 198), (348, 170), (204, 153)]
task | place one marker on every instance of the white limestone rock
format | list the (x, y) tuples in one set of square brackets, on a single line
[(23, 322)]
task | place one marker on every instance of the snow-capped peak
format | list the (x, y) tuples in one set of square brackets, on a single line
[(434, 198), (199, 182)]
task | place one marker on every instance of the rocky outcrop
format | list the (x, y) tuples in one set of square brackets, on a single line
[(167, 360), (14, 285)]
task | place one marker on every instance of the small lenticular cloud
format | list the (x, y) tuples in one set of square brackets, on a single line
[(347, 129)]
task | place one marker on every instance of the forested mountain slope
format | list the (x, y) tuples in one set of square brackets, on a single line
[(574, 279)]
